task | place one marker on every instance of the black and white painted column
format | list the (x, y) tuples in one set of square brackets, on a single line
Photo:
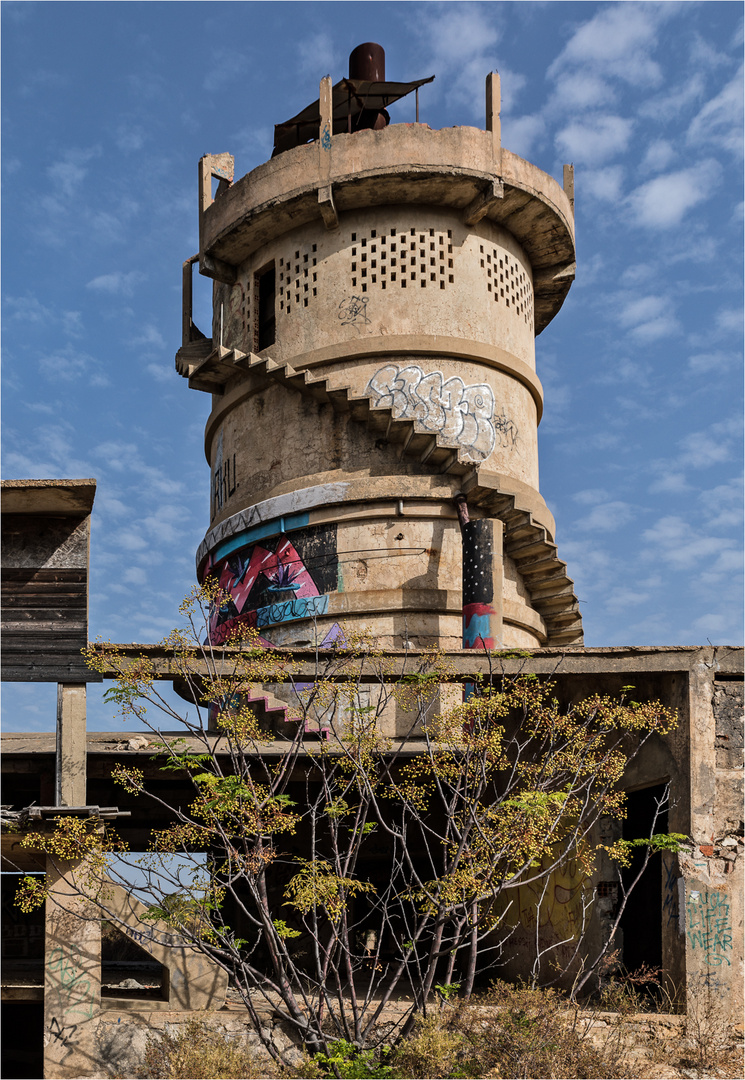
[(482, 580)]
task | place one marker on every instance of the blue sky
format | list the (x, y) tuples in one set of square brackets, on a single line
[(107, 108)]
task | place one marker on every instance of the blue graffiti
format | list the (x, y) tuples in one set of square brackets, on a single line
[(287, 610)]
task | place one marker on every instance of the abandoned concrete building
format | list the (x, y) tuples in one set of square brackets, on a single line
[(372, 446)]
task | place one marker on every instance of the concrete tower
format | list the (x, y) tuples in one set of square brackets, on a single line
[(377, 293)]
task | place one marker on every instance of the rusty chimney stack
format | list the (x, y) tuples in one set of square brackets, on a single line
[(367, 62)]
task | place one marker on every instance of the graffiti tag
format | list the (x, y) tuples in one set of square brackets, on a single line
[(670, 901), (224, 484), (461, 416), (708, 926), (353, 311), (287, 610), (70, 977)]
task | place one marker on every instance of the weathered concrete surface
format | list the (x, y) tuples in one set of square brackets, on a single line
[(728, 707), (194, 981), (72, 975), (70, 776)]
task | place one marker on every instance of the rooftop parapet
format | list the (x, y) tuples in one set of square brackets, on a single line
[(462, 168)]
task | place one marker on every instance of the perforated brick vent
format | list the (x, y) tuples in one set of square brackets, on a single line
[(402, 258), (507, 281), (298, 279)]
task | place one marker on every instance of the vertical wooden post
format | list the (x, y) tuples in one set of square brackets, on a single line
[(493, 117), (72, 976), (70, 771)]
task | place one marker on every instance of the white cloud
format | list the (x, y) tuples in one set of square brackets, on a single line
[(720, 121), (670, 481), (712, 446), (723, 504), (521, 133), (72, 323), (130, 139), (617, 40), (606, 517), (675, 541), (648, 318), (604, 184), (68, 174), (594, 139), (69, 363), (117, 283), (703, 54), (129, 539), (162, 372), (135, 575), (458, 43), (581, 90), (669, 105), (707, 362), (317, 57), (622, 597), (150, 336), (663, 202), (729, 320), (28, 309), (590, 496), (223, 66), (660, 153)]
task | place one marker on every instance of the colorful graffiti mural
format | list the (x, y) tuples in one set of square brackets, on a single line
[(279, 580)]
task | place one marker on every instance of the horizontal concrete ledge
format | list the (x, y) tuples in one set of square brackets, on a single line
[(358, 498), (560, 659), (525, 617), (435, 345)]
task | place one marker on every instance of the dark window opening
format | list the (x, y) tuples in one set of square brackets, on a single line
[(266, 328)]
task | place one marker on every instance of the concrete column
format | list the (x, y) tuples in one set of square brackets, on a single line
[(710, 896), (72, 977), (569, 184), (70, 770), (493, 117), (325, 193), (482, 583), (325, 103)]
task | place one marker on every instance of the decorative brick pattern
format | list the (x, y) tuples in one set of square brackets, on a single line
[(507, 281), (401, 258), (297, 282)]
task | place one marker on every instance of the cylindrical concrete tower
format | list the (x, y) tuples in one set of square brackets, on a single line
[(377, 295)]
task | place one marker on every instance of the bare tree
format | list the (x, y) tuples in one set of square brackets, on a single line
[(334, 877)]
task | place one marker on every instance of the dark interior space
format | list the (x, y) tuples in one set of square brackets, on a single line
[(641, 922), (22, 1034)]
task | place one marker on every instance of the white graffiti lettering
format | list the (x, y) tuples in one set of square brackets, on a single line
[(461, 416)]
